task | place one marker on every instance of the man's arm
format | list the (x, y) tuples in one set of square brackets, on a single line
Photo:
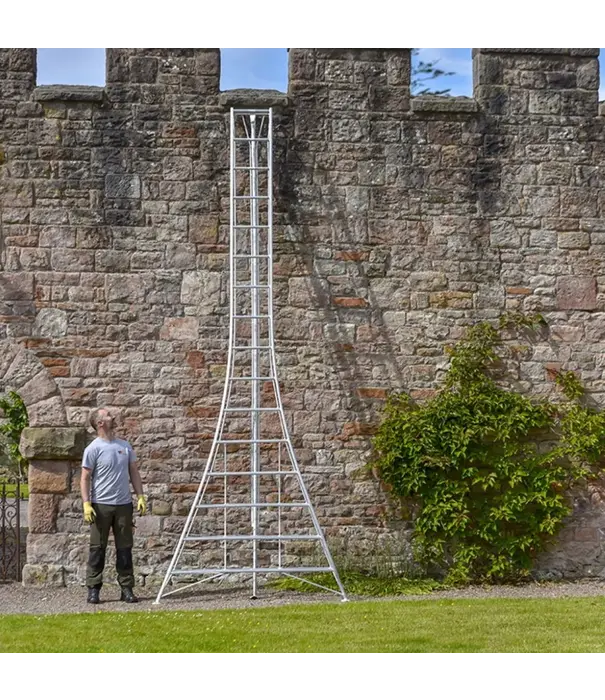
[(85, 481), (135, 478)]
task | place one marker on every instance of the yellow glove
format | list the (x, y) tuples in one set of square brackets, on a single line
[(142, 505), (89, 512)]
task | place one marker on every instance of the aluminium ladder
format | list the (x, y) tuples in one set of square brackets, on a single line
[(251, 514)]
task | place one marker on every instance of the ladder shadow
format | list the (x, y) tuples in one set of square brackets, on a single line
[(354, 342)]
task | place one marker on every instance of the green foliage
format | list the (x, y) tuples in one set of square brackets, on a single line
[(487, 470), (14, 415)]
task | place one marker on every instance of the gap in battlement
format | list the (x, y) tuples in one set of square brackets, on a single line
[(601, 77), (452, 68), (264, 69), (71, 67)]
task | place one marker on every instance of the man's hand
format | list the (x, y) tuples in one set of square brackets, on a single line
[(89, 512), (141, 505)]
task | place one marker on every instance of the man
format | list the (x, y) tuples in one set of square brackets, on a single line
[(108, 465)]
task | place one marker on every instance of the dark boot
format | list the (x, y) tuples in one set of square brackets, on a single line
[(93, 596), (128, 596)]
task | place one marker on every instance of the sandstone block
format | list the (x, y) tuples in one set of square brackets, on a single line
[(577, 293), (16, 286), (47, 575), (42, 513), (48, 476), (52, 443)]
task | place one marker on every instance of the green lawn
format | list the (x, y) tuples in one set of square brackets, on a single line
[(11, 489), (493, 625)]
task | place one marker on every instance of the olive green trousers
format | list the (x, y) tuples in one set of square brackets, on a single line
[(119, 520)]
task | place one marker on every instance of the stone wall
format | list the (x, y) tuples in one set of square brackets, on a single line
[(399, 220)]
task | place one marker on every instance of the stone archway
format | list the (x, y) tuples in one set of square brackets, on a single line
[(22, 371), (53, 451)]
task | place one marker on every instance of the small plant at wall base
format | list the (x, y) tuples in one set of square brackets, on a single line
[(486, 470), (13, 418)]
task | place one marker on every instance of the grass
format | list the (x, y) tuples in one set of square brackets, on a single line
[(486, 625), (11, 489), (356, 583)]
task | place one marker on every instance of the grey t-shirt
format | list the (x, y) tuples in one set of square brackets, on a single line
[(109, 462)]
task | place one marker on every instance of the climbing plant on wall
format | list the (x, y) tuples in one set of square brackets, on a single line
[(487, 470)]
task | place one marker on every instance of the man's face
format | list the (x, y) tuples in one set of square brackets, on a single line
[(105, 419)]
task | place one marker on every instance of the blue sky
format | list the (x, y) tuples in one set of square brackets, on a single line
[(255, 68)]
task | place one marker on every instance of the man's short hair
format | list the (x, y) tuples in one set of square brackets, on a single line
[(94, 417)]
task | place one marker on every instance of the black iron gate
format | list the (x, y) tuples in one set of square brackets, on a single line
[(11, 555)]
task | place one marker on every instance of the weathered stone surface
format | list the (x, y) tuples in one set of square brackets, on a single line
[(16, 286), (46, 575), (247, 98), (42, 513), (160, 507), (577, 293), (46, 476), (52, 443), (50, 323), (123, 186), (39, 387), (48, 412), (68, 93)]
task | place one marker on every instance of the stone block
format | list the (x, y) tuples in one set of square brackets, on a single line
[(123, 186), (576, 293), (50, 323), (42, 513), (16, 286), (46, 476), (38, 388), (53, 443), (46, 575), (159, 507), (185, 328), (148, 525), (143, 69), (46, 413)]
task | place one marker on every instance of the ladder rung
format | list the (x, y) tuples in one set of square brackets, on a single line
[(251, 317), (247, 167), (268, 472), (250, 286), (253, 379), (247, 538), (252, 347), (288, 504), (251, 138), (245, 409), (252, 570), (246, 226), (241, 256), (268, 441), (250, 197)]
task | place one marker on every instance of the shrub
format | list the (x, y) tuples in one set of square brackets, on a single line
[(486, 470)]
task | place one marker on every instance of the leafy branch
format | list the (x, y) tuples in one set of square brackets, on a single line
[(14, 420)]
